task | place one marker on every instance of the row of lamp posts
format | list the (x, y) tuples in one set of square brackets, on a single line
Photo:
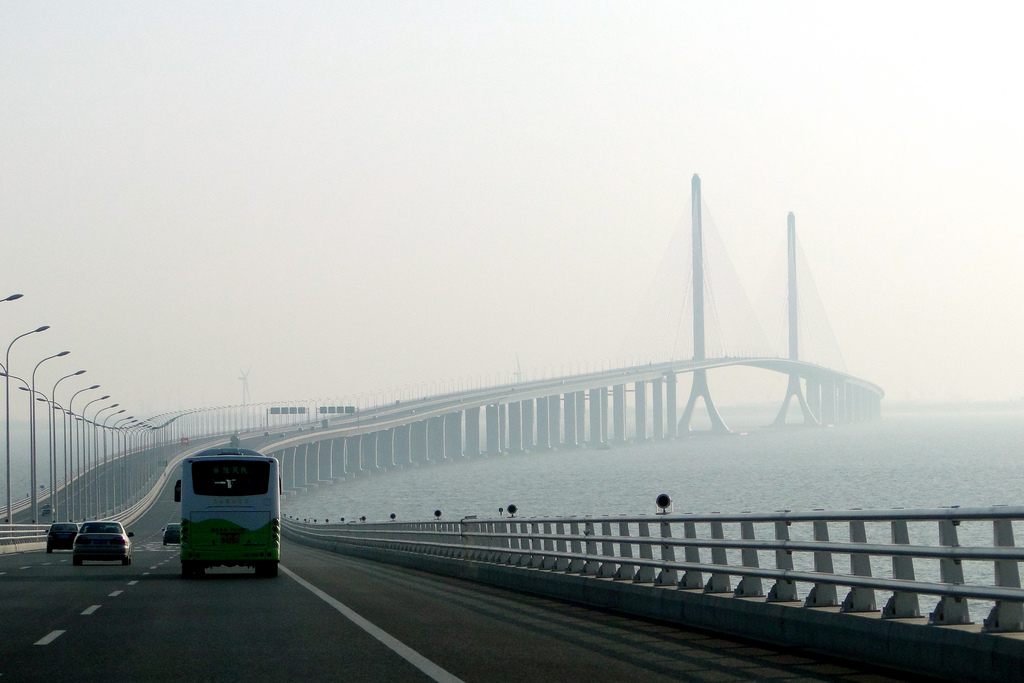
[(82, 494)]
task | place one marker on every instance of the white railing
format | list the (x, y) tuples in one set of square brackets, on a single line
[(903, 553), (20, 534)]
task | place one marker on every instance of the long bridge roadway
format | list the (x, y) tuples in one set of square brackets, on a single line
[(105, 621)]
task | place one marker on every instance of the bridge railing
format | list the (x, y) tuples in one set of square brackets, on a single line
[(950, 554), (16, 536)]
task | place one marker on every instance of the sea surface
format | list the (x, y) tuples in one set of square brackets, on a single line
[(912, 458)]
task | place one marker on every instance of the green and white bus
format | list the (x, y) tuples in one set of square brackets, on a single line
[(230, 511)]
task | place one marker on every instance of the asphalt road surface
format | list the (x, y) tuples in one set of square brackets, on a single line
[(329, 617)]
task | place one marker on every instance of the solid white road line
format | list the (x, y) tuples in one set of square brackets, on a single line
[(90, 610), (49, 637), (115, 594), (396, 646)]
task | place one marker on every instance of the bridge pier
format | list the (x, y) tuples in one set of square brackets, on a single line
[(529, 442), (543, 429), (515, 427), (828, 401), (581, 417), (619, 412), (569, 439), (453, 436), (555, 420), (640, 409), (604, 415), (502, 427), (386, 448), (813, 388), (418, 442), (493, 435), (670, 405), (699, 389), (596, 417), (401, 446), (368, 452), (794, 390), (657, 408), (435, 439), (472, 418)]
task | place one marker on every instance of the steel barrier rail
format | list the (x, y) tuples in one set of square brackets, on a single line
[(588, 547)]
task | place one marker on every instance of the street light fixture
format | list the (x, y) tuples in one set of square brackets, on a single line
[(7, 407), (71, 438), (85, 457), (33, 469), (52, 424)]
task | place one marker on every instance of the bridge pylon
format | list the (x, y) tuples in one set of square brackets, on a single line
[(794, 389), (700, 378)]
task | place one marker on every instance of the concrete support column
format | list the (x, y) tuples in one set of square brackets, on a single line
[(596, 417), (581, 417), (814, 398), (453, 436), (352, 454), (401, 451), (555, 420), (619, 412), (368, 452), (670, 406), (515, 427), (301, 453), (841, 403), (472, 431), (503, 427), (529, 443), (640, 404), (287, 470), (418, 441), (828, 401), (657, 408), (604, 414), (386, 448), (493, 433), (569, 439), (435, 439), (543, 430)]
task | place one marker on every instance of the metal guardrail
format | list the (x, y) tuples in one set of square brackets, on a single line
[(910, 553), (18, 534)]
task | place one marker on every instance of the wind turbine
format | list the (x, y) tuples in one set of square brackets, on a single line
[(245, 386)]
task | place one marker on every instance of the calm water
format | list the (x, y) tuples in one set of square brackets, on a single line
[(908, 459)]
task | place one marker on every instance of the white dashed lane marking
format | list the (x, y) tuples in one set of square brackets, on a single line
[(90, 610), (49, 637), (132, 583), (22, 567), (145, 573), (115, 594)]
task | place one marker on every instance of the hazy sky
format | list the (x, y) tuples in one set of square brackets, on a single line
[(348, 196)]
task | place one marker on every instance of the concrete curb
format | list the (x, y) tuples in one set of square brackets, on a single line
[(7, 548), (959, 653)]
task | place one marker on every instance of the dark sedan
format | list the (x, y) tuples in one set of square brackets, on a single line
[(61, 535), (102, 541), (172, 533)]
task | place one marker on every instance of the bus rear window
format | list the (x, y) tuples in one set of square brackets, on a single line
[(230, 478)]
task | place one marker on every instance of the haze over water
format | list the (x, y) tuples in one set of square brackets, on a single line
[(911, 458)]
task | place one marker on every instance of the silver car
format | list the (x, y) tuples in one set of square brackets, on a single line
[(102, 541)]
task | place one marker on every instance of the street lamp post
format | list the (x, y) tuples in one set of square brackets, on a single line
[(107, 468), (32, 445), (7, 405), (85, 479), (115, 441), (53, 445), (98, 497), (71, 437)]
